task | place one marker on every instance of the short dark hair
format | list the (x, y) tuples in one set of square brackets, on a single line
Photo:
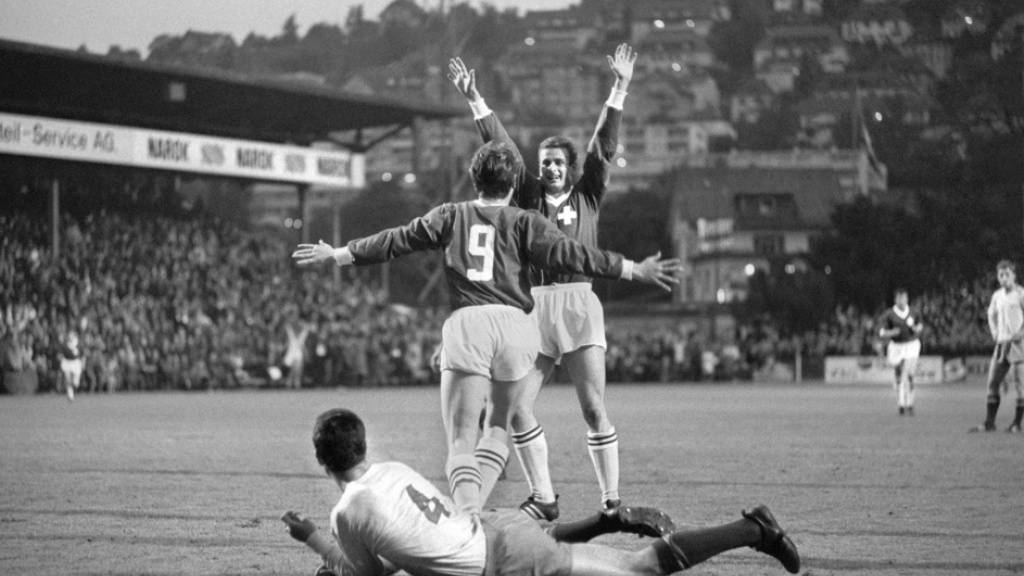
[(495, 169), (1006, 265), (900, 290), (339, 438), (571, 156)]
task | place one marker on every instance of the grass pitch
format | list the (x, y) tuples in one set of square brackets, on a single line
[(193, 484)]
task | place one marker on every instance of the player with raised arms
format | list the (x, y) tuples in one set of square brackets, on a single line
[(569, 314)]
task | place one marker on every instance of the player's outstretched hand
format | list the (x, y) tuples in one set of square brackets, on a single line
[(654, 270), (307, 254), (622, 64), (300, 528), (463, 78)]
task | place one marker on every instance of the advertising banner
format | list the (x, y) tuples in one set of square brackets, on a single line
[(875, 370), (140, 147)]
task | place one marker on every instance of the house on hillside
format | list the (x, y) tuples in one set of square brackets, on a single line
[(571, 26), (696, 16), (1009, 34), (935, 52), (791, 43), (966, 17), (554, 84), (878, 25), (674, 50), (750, 100), (779, 75), (730, 222), (798, 8)]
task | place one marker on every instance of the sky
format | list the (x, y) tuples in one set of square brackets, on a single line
[(98, 24)]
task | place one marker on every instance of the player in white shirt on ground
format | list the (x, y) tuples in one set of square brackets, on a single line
[(391, 518)]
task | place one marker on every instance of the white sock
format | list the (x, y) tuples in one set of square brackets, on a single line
[(464, 482), (604, 453), (532, 448), (491, 455)]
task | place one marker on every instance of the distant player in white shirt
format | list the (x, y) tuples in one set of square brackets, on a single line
[(71, 364), (902, 328), (390, 518), (1006, 323)]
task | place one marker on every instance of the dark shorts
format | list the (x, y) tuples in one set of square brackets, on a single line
[(518, 546)]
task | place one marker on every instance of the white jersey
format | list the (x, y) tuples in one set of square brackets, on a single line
[(1006, 313), (393, 518)]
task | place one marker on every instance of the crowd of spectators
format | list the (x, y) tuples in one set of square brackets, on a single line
[(954, 319), (159, 302), (165, 303)]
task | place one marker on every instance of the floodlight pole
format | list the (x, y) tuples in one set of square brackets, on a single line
[(55, 219), (304, 229)]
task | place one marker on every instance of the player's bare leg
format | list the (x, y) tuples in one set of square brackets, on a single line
[(586, 368), (531, 445), (492, 449), (907, 377), (897, 384), (463, 396)]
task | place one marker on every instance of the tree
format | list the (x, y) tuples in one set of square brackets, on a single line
[(733, 41), (870, 250), (289, 32), (774, 130), (793, 297), (636, 225)]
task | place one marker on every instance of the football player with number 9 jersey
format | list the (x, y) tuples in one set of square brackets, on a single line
[(489, 344)]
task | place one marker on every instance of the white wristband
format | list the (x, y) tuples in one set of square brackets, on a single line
[(479, 108), (342, 256), (616, 98), (627, 269)]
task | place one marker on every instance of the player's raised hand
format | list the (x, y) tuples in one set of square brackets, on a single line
[(308, 254), (300, 528), (654, 270), (463, 78), (622, 65)]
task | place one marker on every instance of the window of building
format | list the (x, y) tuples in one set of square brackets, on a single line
[(769, 244)]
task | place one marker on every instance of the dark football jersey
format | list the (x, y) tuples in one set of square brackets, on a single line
[(577, 215), (906, 325), (488, 250)]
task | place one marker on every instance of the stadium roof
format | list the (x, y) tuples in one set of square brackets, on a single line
[(52, 82)]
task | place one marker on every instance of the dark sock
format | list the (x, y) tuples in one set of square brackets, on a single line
[(686, 548), (583, 530), (990, 411), (1019, 413)]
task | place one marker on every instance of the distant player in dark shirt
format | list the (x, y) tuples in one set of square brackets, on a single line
[(570, 316), (489, 343), (901, 327)]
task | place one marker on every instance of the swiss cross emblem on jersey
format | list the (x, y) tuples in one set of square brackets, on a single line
[(567, 215)]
